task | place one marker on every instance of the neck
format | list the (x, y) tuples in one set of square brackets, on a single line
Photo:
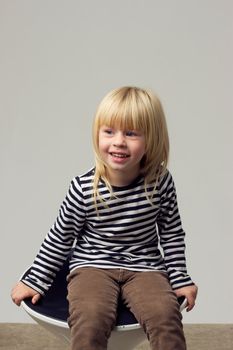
[(120, 179)]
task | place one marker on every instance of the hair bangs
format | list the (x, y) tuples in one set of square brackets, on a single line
[(124, 112)]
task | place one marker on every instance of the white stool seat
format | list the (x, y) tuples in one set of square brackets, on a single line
[(51, 312)]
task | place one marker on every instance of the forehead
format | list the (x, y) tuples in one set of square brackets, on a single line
[(121, 121), (118, 125)]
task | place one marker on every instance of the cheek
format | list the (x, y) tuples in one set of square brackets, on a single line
[(103, 146), (140, 150)]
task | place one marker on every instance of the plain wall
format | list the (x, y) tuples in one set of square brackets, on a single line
[(58, 59)]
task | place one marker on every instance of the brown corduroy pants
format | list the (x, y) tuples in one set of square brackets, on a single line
[(93, 296)]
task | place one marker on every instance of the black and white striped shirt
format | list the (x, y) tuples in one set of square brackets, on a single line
[(129, 231)]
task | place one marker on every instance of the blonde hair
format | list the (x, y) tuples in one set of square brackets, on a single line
[(133, 108)]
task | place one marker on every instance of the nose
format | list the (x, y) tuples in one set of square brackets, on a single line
[(119, 139)]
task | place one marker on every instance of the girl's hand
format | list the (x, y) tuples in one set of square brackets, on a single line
[(21, 291), (190, 293)]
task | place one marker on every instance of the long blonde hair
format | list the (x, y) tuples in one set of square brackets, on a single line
[(133, 108)]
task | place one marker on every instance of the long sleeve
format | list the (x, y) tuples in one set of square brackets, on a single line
[(172, 235), (59, 240)]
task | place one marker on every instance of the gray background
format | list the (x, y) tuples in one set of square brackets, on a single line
[(58, 59)]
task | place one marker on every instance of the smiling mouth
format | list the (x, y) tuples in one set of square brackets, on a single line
[(119, 155)]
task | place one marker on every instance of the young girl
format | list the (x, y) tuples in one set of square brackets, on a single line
[(117, 216)]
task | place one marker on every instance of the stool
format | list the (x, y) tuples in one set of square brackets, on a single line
[(51, 312)]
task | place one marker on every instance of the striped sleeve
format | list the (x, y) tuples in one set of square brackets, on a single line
[(59, 240), (172, 235)]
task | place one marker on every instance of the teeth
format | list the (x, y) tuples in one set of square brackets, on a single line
[(119, 155)]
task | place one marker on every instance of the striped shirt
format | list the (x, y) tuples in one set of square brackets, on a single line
[(128, 231)]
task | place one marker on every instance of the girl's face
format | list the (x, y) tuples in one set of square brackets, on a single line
[(122, 152)]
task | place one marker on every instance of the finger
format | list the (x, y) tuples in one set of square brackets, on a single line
[(189, 308), (17, 301), (35, 298), (191, 303), (13, 297)]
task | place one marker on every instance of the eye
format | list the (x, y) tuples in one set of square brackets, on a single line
[(108, 131), (131, 133)]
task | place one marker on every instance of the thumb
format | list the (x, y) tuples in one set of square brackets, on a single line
[(35, 298)]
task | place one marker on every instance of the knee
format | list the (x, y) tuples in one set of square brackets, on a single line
[(163, 311), (84, 313), (169, 313), (91, 315)]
